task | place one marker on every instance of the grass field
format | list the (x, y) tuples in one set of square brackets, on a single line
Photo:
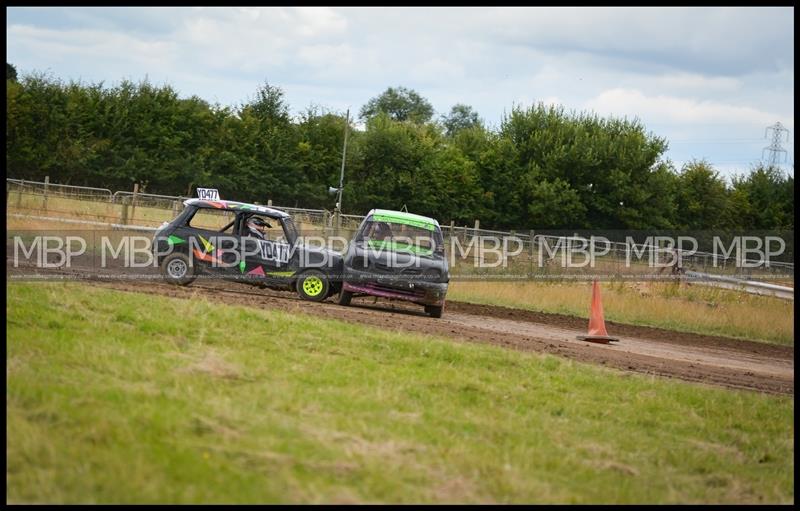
[(687, 308), (118, 397)]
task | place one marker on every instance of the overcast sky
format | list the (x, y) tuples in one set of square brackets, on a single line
[(710, 80)]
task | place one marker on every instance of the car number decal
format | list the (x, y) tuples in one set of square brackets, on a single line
[(273, 251)]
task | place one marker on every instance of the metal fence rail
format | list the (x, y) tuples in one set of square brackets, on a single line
[(58, 189), (147, 199)]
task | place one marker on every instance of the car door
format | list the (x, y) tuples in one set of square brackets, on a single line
[(267, 258), (210, 238)]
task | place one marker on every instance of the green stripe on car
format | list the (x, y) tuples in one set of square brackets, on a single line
[(398, 219), (281, 273)]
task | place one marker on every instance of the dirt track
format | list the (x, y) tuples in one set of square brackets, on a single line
[(713, 360)]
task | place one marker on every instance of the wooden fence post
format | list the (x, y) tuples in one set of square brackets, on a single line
[(19, 195), (477, 236), (337, 222), (123, 219), (46, 185), (133, 200), (531, 254)]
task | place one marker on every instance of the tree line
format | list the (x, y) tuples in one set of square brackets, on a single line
[(542, 168)]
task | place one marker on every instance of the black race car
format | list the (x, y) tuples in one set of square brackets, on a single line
[(244, 242), (400, 256)]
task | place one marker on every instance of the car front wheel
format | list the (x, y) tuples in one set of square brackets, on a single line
[(435, 311), (345, 297), (313, 285)]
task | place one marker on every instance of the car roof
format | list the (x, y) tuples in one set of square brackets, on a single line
[(229, 205), (403, 215)]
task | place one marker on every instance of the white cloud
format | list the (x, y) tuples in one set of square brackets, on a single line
[(319, 21), (726, 40), (256, 39), (436, 70), (693, 82), (86, 46), (670, 109)]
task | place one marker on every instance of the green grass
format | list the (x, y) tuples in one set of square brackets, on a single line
[(119, 397)]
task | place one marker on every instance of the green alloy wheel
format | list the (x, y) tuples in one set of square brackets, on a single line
[(313, 285)]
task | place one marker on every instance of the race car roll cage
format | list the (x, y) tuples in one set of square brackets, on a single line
[(241, 213)]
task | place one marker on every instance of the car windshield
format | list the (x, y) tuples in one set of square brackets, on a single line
[(389, 235)]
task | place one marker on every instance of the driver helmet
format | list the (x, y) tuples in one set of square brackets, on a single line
[(257, 225), (382, 231)]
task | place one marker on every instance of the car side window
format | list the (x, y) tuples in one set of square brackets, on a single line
[(213, 220), (272, 231)]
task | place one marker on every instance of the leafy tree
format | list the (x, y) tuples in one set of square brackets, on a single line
[(473, 141), (554, 204), (543, 169), (606, 161), (269, 105), (657, 208), (11, 72), (502, 204), (702, 197), (400, 163), (460, 117), (388, 154), (764, 199), (272, 140), (319, 154), (400, 104), (35, 125), (447, 185)]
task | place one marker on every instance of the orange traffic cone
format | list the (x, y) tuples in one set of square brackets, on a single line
[(597, 326)]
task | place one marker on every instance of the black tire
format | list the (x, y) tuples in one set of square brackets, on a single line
[(313, 285), (334, 289), (435, 311), (178, 269), (344, 297)]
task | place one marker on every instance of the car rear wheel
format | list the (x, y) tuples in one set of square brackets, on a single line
[(313, 285), (345, 297), (435, 311), (178, 269)]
